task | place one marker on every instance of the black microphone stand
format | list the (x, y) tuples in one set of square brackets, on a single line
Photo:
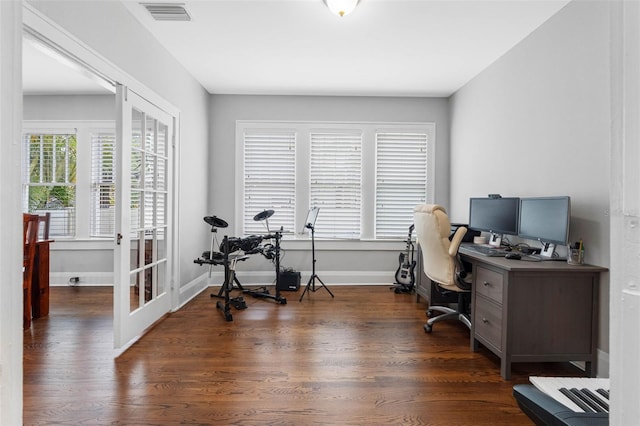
[(311, 285)]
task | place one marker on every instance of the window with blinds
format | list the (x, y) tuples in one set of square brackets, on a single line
[(269, 180), (335, 183), (103, 185), (401, 181), (366, 178), (50, 179)]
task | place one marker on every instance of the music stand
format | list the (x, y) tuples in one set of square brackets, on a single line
[(310, 224)]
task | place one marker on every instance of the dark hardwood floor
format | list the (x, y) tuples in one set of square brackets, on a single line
[(361, 358)]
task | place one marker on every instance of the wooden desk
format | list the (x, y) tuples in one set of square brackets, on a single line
[(526, 311)]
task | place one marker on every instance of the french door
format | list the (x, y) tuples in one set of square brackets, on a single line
[(142, 256)]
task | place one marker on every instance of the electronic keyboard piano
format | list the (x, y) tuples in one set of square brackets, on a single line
[(565, 401)]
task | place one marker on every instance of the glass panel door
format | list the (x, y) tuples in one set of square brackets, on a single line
[(142, 256)]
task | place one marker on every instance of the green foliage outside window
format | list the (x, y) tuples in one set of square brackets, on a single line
[(52, 171)]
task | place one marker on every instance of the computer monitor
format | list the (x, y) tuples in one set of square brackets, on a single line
[(545, 219), (495, 215)]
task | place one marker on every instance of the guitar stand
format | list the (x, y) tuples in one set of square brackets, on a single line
[(405, 276), (402, 289), (311, 284)]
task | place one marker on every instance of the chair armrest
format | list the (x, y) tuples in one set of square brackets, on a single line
[(457, 240)]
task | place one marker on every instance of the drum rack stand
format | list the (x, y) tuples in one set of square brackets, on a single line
[(263, 292)]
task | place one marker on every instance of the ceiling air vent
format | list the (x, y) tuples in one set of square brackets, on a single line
[(167, 11)]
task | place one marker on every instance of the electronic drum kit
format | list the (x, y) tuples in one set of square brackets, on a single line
[(235, 249)]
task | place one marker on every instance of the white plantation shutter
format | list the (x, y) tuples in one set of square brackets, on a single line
[(102, 220), (335, 183), (269, 179), (366, 178), (401, 181), (49, 177)]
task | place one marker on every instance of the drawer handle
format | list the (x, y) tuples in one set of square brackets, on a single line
[(484, 320), (485, 283)]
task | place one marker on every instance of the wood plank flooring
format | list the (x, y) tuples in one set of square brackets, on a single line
[(360, 358)]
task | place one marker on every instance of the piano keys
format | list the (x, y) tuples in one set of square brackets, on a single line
[(569, 391), (565, 400)]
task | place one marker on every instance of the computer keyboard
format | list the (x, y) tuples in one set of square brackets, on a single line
[(484, 250), (489, 251)]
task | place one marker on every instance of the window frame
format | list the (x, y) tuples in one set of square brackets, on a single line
[(428, 178), (323, 140), (281, 138), (83, 130), (303, 129), (100, 185)]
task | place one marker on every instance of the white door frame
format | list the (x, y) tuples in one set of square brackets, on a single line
[(624, 347), (13, 15), (11, 337)]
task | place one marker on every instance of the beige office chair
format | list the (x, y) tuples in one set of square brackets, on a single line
[(440, 260)]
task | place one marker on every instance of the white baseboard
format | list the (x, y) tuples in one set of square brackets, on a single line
[(246, 277), (603, 364), (85, 278), (192, 289), (327, 277), (94, 279)]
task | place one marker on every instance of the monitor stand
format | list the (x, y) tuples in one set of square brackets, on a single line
[(495, 240), (547, 250)]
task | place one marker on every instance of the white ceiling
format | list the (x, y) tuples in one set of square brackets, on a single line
[(385, 47), (297, 47)]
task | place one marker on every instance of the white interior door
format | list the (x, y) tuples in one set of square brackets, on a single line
[(142, 256)]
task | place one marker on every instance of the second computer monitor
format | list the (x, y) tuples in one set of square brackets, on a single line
[(495, 215), (545, 219)]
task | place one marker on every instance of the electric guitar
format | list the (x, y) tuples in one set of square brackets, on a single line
[(405, 275)]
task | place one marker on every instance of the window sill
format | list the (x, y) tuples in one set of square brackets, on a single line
[(78, 244), (288, 242)]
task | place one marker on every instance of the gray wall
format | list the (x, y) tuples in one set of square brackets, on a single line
[(131, 48), (69, 107), (97, 260), (95, 263), (226, 109), (537, 123)]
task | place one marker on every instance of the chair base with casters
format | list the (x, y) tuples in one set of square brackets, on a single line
[(448, 313)]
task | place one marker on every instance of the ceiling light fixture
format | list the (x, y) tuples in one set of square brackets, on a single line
[(341, 7)]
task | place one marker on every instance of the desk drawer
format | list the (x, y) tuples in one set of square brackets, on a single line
[(487, 320), (489, 283)]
